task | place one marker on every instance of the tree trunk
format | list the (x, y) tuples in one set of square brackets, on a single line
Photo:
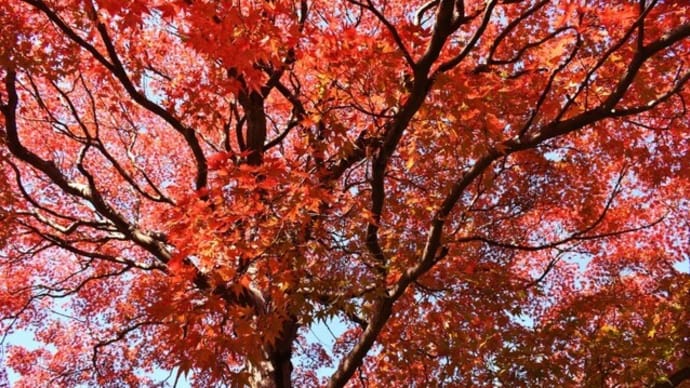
[(275, 371)]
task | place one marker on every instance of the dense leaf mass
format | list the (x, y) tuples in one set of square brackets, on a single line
[(458, 193)]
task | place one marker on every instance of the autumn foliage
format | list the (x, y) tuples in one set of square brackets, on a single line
[(355, 193)]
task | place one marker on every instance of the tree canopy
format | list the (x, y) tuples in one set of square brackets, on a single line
[(470, 193)]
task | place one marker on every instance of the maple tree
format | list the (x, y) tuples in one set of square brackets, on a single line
[(478, 193)]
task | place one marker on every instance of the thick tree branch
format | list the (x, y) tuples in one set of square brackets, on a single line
[(253, 104), (473, 41), (431, 255), (675, 379), (88, 193)]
